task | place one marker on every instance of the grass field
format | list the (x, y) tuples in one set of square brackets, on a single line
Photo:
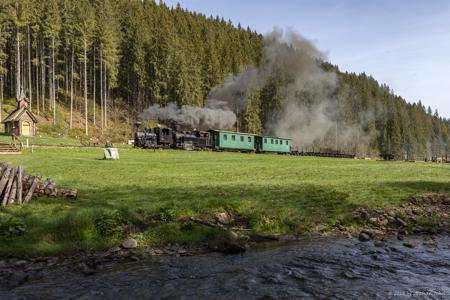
[(43, 141), (144, 192)]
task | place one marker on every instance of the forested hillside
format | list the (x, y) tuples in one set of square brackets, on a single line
[(116, 53), (105, 61)]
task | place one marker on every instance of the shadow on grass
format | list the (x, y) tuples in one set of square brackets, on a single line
[(61, 225), (419, 187)]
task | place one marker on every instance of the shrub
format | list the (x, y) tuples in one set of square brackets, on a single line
[(110, 223), (10, 226)]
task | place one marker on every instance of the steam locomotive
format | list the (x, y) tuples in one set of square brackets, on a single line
[(163, 137)]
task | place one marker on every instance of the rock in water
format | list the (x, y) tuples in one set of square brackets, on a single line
[(409, 244), (129, 244), (378, 243), (224, 245), (111, 153), (364, 237)]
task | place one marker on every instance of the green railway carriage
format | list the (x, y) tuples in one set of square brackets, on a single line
[(229, 140), (273, 144)]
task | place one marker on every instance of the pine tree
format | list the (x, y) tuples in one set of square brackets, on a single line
[(84, 27), (51, 24), (252, 114)]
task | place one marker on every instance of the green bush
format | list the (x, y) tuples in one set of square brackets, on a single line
[(10, 226), (110, 223)]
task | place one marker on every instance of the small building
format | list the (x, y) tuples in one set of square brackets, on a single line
[(21, 121)]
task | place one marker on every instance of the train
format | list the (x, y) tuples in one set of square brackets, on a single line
[(221, 140), (218, 140)]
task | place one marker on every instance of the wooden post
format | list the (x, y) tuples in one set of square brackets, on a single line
[(32, 188), (19, 186)]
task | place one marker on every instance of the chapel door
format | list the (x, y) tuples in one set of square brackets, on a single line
[(26, 128)]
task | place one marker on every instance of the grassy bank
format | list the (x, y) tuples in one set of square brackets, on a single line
[(144, 193)]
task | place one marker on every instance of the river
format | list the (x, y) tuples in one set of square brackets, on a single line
[(313, 268)]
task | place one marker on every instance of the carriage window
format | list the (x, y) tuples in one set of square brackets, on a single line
[(249, 139), (271, 141), (265, 141), (242, 138), (276, 142), (225, 137), (233, 137), (287, 142)]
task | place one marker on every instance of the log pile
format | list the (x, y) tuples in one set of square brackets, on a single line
[(18, 186)]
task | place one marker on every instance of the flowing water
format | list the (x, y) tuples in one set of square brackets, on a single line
[(314, 268)]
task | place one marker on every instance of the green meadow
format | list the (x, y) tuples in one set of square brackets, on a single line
[(142, 195)]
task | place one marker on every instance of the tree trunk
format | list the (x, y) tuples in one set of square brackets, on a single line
[(37, 78), (71, 91), (101, 88), (30, 92), (85, 90), (106, 99), (43, 75), (1, 94), (53, 82), (93, 96), (18, 85)]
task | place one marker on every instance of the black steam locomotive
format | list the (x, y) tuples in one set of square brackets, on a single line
[(164, 137)]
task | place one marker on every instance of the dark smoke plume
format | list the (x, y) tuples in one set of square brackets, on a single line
[(195, 117)]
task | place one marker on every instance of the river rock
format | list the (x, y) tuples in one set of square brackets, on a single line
[(409, 244), (233, 235), (114, 249), (20, 263), (401, 222), (373, 221), (364, 237), (85, 269), (383, 222), (446, 201), (378, 243), (130, 244), (430, 242), (224, 245), (223, 218)]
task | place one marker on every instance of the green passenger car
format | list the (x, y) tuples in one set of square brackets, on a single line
[(273, 144), (229, 140)]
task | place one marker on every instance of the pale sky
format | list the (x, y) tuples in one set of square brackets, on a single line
[(405, 44)]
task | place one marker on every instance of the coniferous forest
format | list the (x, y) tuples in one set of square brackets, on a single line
[(107, 60)]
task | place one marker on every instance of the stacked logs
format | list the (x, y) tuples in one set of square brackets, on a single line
[(18, 186)]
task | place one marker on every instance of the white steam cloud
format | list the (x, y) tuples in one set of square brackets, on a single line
[(306, 110)]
